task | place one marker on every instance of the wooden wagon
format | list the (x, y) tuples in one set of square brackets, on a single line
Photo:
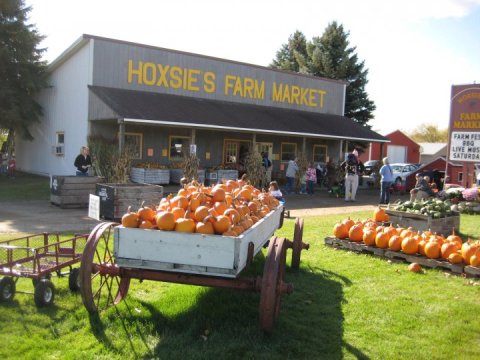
[(114, 255)]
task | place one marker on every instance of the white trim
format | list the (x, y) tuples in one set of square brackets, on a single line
[(219, 127)]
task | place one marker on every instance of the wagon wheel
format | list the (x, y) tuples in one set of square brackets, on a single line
[(7, 289), (298, 245), (100, 282), (272, 285)]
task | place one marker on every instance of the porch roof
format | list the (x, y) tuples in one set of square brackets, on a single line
[(173, 110)]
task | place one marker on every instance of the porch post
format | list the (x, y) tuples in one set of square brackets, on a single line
[(192, 141), (304, 145), (121, 135)]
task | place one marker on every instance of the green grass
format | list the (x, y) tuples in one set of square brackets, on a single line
[(24, 187), (345, 306)]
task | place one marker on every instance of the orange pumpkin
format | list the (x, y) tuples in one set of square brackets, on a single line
[(185, 225), (145, 224), (455, 258), (130, 219), (475, 260), (414, 267), (395, 243), (379, 214), (348, 223), (455, 238), (356, 232), (432, 250), (468, 250), (421, 246), (204, 228), (447, 249), (165, 220), (409, 245), (369, 236), (146, 213), (381, 240), (340, 231)]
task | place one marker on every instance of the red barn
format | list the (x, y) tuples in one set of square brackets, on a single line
[(436, 170), (401, 149)]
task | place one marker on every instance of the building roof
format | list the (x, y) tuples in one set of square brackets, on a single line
[(173, 110), (431, 148)]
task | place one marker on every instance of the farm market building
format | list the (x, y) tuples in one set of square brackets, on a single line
[(159, 102)]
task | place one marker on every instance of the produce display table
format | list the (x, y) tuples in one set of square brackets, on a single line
[(72, 191), (443, 225), (177, 174)]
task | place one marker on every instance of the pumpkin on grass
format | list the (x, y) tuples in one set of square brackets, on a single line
[(415, 267), (340, 231)]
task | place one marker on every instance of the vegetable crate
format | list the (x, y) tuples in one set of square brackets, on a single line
[(114, 255), (37, 257), (419, 222)]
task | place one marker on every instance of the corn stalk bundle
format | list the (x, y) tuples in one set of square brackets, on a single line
[(254, 168)]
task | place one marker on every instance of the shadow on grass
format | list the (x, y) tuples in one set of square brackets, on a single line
[(224, 323)]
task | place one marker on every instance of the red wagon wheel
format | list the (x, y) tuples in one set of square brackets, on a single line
[(298, 245), (100, 281), (272, 285)]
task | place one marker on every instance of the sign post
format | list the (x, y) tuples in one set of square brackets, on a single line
[(464, 130)]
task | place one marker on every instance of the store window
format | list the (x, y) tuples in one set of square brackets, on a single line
[(289, 151), (234, 152), (178, 146), (60, 138), (460, 177), (319, 153), (134, 144), (265, 147)]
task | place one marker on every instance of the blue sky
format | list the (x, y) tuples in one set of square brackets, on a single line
[(415, 50)]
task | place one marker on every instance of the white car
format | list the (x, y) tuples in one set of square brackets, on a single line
[(402, 170)]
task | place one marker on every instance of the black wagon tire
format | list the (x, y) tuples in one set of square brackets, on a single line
[(44, 293), (35, 281), (7, 289), (74, 280)]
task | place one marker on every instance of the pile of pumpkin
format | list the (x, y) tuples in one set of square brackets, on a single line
[(431, 245), (228, 209)]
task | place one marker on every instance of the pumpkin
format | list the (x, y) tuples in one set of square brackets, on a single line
[(185, 225), (468, 250), (201, 213), (204, 228), (414, 267), (475, 260), (455, 238), (432, 250), (381, 240), (340, 231), (390, 231), (395, 243), (178, 212), (130, 219), (165, 220), (146, 213), (421, 246), (409, 245), (379, 214), (447, 249), (348, 223), (455, 258), (145, 224), (220, 223), (356, 232), (179, 201), (369, 236)]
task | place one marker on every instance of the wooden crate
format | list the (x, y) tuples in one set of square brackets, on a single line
[(149, 176), (116, 198), (72, 191), (419, 222), (214, 255), (177, 174)]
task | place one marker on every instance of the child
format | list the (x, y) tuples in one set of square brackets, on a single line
[(275, 191), (311, 178), (303, 184)]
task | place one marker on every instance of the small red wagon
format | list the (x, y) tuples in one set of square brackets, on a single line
[(37, 257), (114, 255)]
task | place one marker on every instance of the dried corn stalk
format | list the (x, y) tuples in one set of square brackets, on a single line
[(190, 166), (254, 168)]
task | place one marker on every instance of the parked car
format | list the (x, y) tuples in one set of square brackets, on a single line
[(370, 166), (402, 170)]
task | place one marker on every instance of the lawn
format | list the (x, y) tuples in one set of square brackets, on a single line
[(345, 306), (24, 187)]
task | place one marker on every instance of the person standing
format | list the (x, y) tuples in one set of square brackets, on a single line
[(83, 162), (350, 165), (292, 169), (311, 178), (386, 174)]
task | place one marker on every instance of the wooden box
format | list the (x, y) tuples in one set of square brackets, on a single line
[(72, 191), (150, 176), (177, 174), (116, 198), (189, 252), (419, 222)]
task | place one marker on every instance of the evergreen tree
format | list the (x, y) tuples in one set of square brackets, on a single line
[(22, 73), (330, 56)]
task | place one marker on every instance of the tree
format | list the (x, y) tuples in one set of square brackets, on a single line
[(429, 133), (22, 73), (330, 56)]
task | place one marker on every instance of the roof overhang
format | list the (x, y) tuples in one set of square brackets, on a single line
[(149, 108)]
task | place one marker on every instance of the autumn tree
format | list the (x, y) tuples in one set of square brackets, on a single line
[(429, 133), (330, 56), (22, 73)]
